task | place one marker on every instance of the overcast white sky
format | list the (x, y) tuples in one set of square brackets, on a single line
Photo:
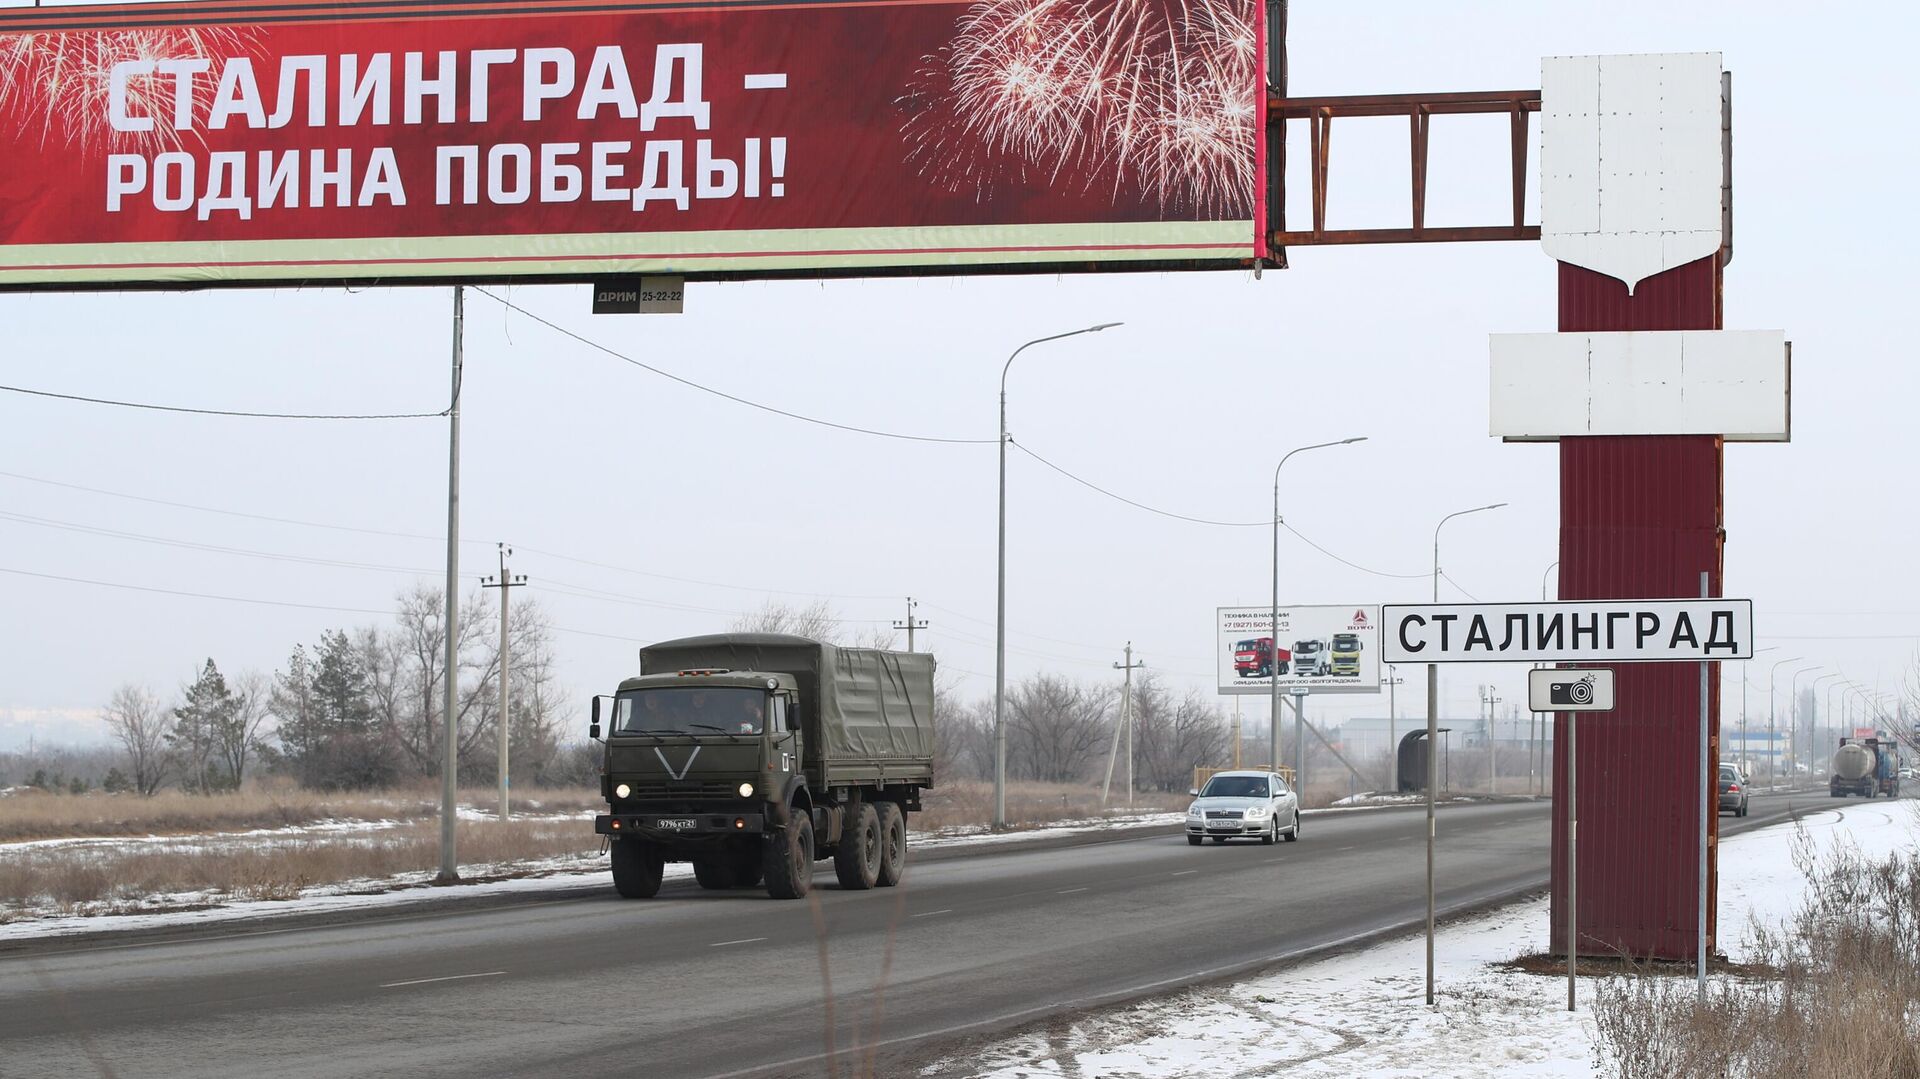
[(1188, 406)]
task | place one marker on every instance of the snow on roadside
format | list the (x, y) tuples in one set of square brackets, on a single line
[(1365, 1013), (586, 870)]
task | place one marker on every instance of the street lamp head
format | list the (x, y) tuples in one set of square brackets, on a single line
[(1351, 441), (1104, 326)]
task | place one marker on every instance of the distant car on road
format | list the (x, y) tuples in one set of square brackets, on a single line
[(1733, 791), (1243, 805)]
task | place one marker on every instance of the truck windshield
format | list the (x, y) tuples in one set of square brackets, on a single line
[(690, 710)]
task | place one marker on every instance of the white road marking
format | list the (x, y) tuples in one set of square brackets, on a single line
[(1337, 850), (1184, 872), (448, 978), (730, 943), (931, 913), (1069, 891)]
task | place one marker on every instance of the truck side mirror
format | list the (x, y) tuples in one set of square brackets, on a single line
[(593, 729)]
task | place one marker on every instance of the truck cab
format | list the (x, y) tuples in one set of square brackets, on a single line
[(1311, 659), (1255, 658), (1346, 655)]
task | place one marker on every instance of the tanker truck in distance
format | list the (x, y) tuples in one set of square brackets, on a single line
[(1866, 766), (752, 755)]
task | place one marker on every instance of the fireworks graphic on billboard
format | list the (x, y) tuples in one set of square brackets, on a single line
[(1152, 97), (56, 85)]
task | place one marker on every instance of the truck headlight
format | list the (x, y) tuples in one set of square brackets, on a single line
[(622, 791), (746, 790)]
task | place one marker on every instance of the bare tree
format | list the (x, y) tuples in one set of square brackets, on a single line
[(140, 724), (815, 620), (1054, 727), (242, 732)]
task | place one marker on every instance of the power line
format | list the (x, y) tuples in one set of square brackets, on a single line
[(190, 545), (148, 406), (1346, 562), (223, 512), (194, 595), (690, 384), (1091, 486)]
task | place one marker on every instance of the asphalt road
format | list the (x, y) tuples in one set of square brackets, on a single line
[(721, 984)]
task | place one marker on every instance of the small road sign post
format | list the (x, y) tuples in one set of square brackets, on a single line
[(1572, 692)]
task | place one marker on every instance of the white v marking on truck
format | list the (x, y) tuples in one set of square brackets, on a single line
[(684, 769)]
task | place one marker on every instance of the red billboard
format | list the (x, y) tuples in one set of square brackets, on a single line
[(262, 141)]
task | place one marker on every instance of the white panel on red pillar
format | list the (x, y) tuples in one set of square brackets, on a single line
[(1731, 383), (1632, 161)]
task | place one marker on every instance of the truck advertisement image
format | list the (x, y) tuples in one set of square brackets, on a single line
[(1321, 649)]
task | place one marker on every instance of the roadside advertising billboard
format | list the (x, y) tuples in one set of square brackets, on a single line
[(260, 141), (1332, 649)]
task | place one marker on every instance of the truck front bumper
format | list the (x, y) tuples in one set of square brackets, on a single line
[(668, 826)]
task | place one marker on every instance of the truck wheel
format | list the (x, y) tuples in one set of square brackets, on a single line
[(637, 868), (787, 858), (856, 859), (746, 867), (714, 872), (893, 844)]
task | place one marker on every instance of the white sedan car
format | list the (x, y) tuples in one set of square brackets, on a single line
[(1243, 805)]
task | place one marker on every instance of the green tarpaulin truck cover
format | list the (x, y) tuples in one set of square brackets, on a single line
[(860, 707)]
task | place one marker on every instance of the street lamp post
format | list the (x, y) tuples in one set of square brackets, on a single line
[(1433, 735), (1776, 756), (1273, 627), (1744, 747), (1819, 713), (1000, 617)]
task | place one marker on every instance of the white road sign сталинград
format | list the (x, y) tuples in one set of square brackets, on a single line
[(1589, 631)]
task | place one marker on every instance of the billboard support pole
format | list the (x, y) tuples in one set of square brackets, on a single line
[(450, 768)]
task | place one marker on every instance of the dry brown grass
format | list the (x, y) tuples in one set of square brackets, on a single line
[(111, 878), (41, 815), (1846, 1000), (967, 802)]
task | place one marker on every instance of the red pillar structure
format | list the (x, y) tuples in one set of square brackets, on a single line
[(1640, 517)]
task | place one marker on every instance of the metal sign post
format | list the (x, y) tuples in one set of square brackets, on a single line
[(1706, 821), (1571, 691), (1573, 852)]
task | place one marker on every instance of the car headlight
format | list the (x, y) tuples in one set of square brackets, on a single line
[(1257, 813), (622, 791), (746, 790), (1193, 811)]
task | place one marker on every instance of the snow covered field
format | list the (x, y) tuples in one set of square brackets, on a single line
[(1364, 1014), (587, 870)]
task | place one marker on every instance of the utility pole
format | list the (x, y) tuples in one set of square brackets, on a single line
[(1493, 771), (506, 583), (450, 767), (910, 624), (1126, 725)]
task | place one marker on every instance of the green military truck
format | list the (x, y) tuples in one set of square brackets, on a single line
[(751, 755)]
